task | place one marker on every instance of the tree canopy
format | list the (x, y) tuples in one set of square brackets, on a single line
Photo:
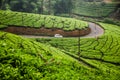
[(37, 6)]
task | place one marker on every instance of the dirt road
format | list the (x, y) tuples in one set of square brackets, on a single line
[(96, 31)]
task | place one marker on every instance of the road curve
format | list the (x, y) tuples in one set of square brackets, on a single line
[(96, 31)]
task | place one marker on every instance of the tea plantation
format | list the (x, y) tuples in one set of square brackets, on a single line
[(94, 9), (22, 58), (101, 52), (57, 58), (10, 18)]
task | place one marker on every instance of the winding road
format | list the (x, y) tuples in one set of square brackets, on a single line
[(96, 31)]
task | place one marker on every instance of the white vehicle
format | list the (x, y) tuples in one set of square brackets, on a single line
[(58, 35)]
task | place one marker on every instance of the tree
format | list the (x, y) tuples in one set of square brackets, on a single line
[(2, 4), (63, 6), (49, 1), (41, 7), (34, 6)]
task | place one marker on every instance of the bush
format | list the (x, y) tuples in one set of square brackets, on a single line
[(3, 26), (107, 20), (111, 21)]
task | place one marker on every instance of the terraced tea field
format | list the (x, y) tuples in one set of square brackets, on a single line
[(57, 58), (22, 58), (94, 9), (101, 52), (10, 18)]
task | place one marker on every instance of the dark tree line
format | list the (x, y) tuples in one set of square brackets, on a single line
[(63, 6), (38, 6)]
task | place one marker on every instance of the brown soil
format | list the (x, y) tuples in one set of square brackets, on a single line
[(46, 32)]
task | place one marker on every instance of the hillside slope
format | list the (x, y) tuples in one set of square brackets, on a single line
[(26, 59), (94, 9), (22, 19), (102, 51), (22, 58), (37, 24)]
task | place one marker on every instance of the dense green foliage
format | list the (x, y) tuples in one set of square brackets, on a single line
[(23, 59), (37, 21), (111, 21), (37, 6), (58, 58), (102, 52), (94, 9), (3, 26), (81, 7)]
